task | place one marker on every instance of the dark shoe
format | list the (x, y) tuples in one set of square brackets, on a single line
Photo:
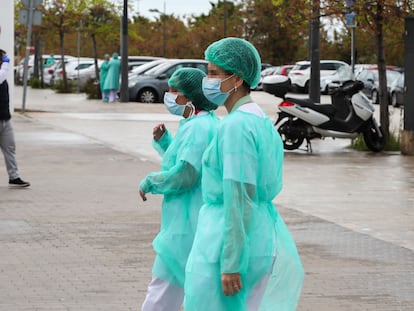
[(18, 183)]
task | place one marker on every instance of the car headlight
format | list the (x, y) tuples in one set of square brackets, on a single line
[(131, 83)]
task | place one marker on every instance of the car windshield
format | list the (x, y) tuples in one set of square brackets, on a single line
[(401, 80), (345, 73), (146, 67), (269, 71), (158, 69), (392, 75), (301, 66)]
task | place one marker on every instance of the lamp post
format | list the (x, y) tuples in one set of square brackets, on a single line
[(224, 19), (124, 53), (164, 38)]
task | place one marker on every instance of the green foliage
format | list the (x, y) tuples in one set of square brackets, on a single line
[(60, 87), (278, 28), (92, 89), (35, 83), (392, 144)]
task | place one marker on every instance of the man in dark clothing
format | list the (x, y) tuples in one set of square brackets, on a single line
[(7, 143)]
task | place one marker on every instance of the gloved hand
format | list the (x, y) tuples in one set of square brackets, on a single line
[(5, 59)]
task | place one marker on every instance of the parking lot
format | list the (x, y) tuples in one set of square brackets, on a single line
[(80, 239)]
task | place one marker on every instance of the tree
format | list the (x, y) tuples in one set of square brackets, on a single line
[(62, 15), (383, 18), (98, 19), (377, 15)]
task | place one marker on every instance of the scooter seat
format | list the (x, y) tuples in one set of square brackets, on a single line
[(326, 109)]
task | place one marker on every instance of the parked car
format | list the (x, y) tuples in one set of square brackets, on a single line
[(135, 72), (136, 61), (265, 65), (78, 70), (371, 84), (300, 73), (151, 86), (142, 59), (274, 70), (397, 91), (19, 69), (49, 73), (331, 82)]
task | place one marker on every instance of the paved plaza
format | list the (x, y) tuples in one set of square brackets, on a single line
[(80, 237)]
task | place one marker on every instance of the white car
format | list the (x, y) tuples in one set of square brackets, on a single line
[(300, 73), (19, 69), (49, 70), (331, 82), (78, 70)]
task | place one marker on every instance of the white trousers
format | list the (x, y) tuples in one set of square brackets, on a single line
[(164, 296), (255, 299), (112, 95)]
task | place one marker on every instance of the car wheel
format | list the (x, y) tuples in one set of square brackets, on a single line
[(374, 97), (394, 100), (147, 96)]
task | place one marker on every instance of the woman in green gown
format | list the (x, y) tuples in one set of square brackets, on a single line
[(243, 256), (179, 180)]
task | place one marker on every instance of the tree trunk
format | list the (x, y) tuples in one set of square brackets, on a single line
[(382, 76), (95, 56), (62, 53)]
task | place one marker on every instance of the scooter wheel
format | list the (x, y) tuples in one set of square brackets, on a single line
[(284, 126), (374, 141)]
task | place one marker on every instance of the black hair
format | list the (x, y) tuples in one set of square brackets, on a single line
[(245, 84)]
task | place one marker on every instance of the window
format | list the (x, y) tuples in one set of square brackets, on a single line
[(202, 67), (328, 66)]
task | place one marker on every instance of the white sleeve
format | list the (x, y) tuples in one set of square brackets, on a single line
[(3, 72)]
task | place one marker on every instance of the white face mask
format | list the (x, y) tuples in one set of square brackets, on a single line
[(212, 90), (171, 104)]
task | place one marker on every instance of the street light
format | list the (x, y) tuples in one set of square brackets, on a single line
[(164, 39), (225, 19), (124, 53)]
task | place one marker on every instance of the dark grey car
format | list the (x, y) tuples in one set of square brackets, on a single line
[(151, 86)]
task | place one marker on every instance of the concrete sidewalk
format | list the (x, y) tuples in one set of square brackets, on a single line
[(80, 238)]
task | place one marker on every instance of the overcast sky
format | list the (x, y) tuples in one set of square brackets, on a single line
[(176, 7)]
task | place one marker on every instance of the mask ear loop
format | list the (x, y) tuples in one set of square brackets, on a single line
[(236, 88), (192, 107)]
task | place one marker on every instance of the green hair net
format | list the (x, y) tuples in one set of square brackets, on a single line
[(115, 55), (237, 56), (188, 81)]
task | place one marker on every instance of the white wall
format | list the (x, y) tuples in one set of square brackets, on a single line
[(7, 38)]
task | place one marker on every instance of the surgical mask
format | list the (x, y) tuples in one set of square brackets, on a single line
[(212, 90), (171, 104)]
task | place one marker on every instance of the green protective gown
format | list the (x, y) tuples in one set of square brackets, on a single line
[(239, 228), (102, 75), (112, 79), (180, 182)]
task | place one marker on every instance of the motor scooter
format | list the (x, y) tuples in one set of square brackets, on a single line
[(349, 115)]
